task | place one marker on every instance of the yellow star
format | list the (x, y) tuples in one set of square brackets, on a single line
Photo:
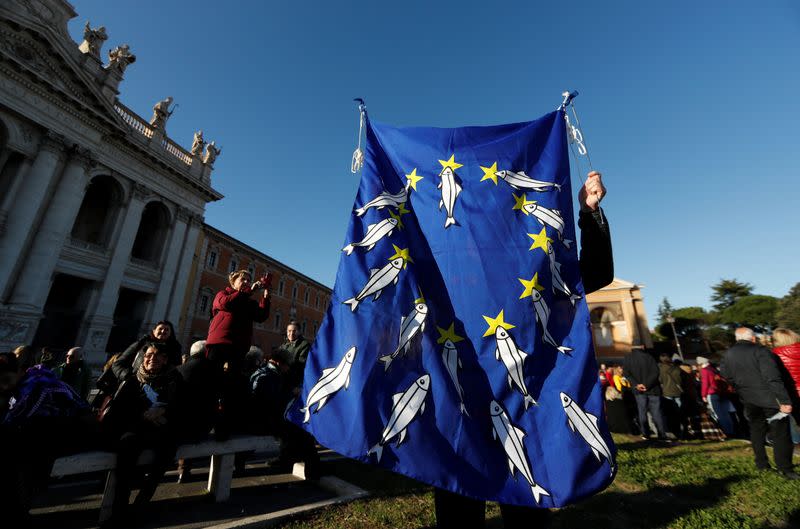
[(397, 218), (490, 173), (401, 209), (403, 254), (413, 178), (521, 201), (530, 285), (494, 323), (540, 241), (450, 163), (448, 334)]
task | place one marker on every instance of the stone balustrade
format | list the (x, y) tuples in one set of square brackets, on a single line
[(144, 128)]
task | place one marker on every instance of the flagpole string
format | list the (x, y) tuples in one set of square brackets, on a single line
[(358, 155)]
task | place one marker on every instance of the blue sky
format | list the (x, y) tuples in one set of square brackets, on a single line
[(690, 111)]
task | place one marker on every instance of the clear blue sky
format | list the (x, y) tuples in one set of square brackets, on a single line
[(690, 110)]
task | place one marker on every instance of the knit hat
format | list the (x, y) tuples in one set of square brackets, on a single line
[(701, 360)]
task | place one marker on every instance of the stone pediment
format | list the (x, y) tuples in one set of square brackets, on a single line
[(33, 36), (620, 284)]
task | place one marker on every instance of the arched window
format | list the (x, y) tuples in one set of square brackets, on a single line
[(152, 234), (278, 321), (99, 210), (281, 286), (307, 296), (234, 265), (251, 269), (294, 291)]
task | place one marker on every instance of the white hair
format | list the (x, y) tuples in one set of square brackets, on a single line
[(744, 333), (198, 348)]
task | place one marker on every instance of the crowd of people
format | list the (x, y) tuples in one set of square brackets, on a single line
[(753, 393), (152, 397)]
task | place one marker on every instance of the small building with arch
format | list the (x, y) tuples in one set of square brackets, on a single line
[(619, 320)]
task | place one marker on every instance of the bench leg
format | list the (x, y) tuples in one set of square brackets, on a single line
[(220, 476), (108, 496)]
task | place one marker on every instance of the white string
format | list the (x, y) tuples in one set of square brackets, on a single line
[(358, 155)]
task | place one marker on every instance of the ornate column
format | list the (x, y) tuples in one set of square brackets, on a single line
[(99, 325), (26, 207), (174, 249), (7, 201), (33, 284), (184, 268)]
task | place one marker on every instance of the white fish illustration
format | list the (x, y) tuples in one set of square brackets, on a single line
[(332, 380), (543, 316), (378, 280), (410, 326), (511, 438), (375, 232), (383, 200), (522, 181), (558, 281), (512, 357), (548, 217), (586, 425), (406, 407), (452, 363), (450, 191)]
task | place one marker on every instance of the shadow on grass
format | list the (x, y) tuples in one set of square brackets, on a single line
[(656, 507)]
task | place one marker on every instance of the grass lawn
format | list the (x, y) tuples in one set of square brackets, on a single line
[(694, 484)]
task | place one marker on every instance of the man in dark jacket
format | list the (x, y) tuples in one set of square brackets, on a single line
[(642, 372), (753, 371), (296, 347)]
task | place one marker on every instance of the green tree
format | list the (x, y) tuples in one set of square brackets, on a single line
[(664, 310), (788, 314), (727, 291), (756, 311), (689, 323)]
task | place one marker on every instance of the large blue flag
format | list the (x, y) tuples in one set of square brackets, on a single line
[(457, 347)]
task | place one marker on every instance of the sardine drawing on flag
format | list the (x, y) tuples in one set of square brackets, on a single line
[(510, 413)]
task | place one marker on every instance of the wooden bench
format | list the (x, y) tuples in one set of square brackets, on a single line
[(219, 477)]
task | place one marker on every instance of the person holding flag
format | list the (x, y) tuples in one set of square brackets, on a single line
[(457, 346)]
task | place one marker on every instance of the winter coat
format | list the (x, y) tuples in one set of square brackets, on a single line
[(198, 396), (641, 368), (78, 375), (233, 314), (670, 379), (711, 383), (131, 358), (753, 371), (790, 358), (297, 353)]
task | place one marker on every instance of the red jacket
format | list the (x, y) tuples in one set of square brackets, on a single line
[(708, 381), (233, 314), (790, 357)]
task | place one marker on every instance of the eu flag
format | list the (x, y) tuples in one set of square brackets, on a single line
[(457, 347)]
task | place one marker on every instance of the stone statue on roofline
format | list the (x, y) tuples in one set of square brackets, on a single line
[(93, 40), (161, 113), (198, 143), (120, 57), (211, 154)]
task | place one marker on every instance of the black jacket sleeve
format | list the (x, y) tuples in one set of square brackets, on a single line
[(772, 375), (596, 258), (124, 363)]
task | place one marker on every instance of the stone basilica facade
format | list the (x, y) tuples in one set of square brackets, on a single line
[(100, 210)]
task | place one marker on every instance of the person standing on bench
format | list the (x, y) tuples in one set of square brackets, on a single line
[(144, 415), (230, 335)]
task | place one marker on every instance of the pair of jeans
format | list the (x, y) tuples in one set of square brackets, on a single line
[(779, 432), (645, 402), (721, 408)]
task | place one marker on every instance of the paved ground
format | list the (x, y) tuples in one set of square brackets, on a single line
[(259, 497)]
